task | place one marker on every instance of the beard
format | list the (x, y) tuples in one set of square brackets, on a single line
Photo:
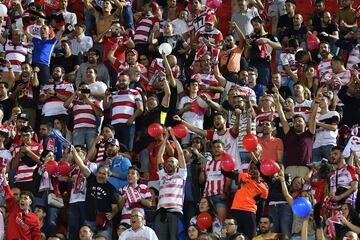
[(56, 77)]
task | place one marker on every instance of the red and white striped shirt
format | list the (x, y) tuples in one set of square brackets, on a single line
[(123, 105), (158, 65), (16, 54), (354, 57), (214, 36), (24, 173), (84, 114), (54, 105), (198, 22), (100, 153), (215, 181), (133, 200), (288, 59), (143, 29), (344, 76), (209, 79), (324, 67), (121, 67), (171, 191), (343, 177), (352, 145)]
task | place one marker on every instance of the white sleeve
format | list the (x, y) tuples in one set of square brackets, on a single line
[(347, 149), (153, 235), (283, 59), (229, 85)]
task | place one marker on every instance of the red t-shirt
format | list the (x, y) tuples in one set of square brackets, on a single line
[(153, 152)]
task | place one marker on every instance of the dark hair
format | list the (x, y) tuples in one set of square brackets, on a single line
[(253, 69), (338, 147), (293, 43), (94, 50), (211, 211), (135, 168), (62, 69), (338, 59), (83, 83), (268, 217), (218, 141), (291, 1), (44, 153), (257, 19), (231, 218), (155, 191), (83, 26), (48, 124), (299, 55), (27, 193), (299, 116), (95, 71)]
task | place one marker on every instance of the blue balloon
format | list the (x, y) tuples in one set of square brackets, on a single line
[(301, 207)]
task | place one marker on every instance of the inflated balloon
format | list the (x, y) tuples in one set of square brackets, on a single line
[(3, 10), (64, 168), (269, 167), (166, 48), (301, 207), (51, 167), (228, 162), (213, 4), (312, 41), (98, 88), (250, 141), (155, 130), (204, 220), (180, 131), (201, 102)]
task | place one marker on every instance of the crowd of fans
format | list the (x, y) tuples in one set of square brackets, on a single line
[(86, 86)]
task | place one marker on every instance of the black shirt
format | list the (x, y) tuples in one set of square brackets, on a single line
[(299, 34), (172, 106), (255, 48), (329, 30), (99, 197), (7, 105), (67, 63), (176, 42)]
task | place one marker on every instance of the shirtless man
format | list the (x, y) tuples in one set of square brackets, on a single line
[(104, 19)]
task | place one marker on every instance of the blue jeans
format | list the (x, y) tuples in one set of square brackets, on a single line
[(84, 136), (282, 218), (216, 200), (76, 219), (264, 72), (289, 82), (52, 213), (125, 134), (89, 22), (106, 233), (44, 73), (128, 16), (321, 152)]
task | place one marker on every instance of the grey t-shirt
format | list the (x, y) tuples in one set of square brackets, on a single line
[(243, 20)]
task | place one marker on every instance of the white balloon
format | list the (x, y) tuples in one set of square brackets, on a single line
[(166, 48), (3, 10), (98, 88), (201, 102)]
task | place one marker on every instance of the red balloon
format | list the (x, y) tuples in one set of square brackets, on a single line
[(269, 167), (180, 131), (51, 167), (204, 220), (64, 168), (250, 141), (312, 41), (155, 130), (213, 4), (228, 162)]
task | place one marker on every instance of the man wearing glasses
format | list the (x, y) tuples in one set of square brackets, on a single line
[(138, 230)]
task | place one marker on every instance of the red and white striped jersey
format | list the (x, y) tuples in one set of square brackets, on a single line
[(261, 116), (288, 59), (84, 114), (324, 67), (143, 29), (215, 181), (133, 200), (354, 57), (100, 153), (158, 65), (303, 109), (208, 79), (172, 190), (198, 21), (343, 177), (244, 91), (54, 105), (16, 54), (352, 145), (123, 105), (121, 67), (24, 173), (344, 76), (214, 36)]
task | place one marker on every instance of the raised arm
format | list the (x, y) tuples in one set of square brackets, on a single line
[(168, 71), (160, 156), (242, 42), (179, 150), (284, 122), (199, 131), (167, 94), (83, 168), (312, 120), (284, 188), (219, 77)]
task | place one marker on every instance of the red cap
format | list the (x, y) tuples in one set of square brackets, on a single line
[(132, 51), (210, 19)]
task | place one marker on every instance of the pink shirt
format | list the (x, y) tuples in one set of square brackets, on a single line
[(270, 148)]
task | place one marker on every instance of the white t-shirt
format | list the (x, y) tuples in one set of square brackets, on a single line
[(196, 119), (324, 136), (181, 26)]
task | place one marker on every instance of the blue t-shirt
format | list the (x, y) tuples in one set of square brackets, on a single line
[(119, 165), (43, 50)]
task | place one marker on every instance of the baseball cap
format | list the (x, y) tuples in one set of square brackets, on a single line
[(133, 51), (23, 116), (113, 141), (26, 129), (210, 19)]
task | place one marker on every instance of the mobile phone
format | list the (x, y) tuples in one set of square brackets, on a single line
[(85, 90)]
